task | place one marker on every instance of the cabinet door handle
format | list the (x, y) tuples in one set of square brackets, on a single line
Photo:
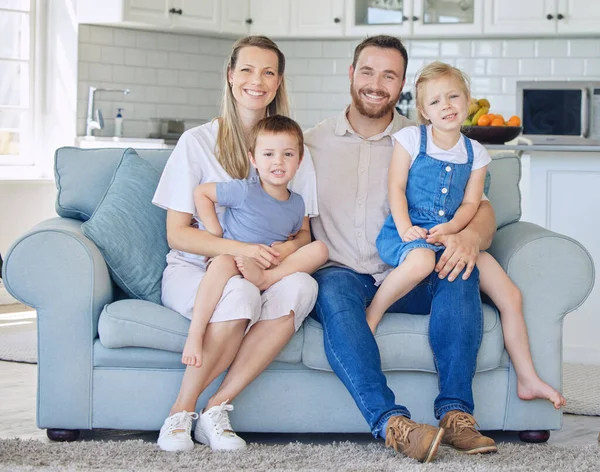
[(415, 18), (249, 21), (176, 12), (404, 18), (560, 16), (549, 16), (336, 20)]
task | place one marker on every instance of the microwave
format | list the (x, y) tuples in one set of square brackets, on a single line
[(560, 112)]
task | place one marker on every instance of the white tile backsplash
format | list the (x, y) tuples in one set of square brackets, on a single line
[(180, 76)]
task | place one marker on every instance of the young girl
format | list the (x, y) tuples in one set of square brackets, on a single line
[(260, 210), (435, 185)]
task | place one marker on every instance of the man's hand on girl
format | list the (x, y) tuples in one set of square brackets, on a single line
[(460, 254)]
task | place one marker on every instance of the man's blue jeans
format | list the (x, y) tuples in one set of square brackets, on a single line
[(455, 330)]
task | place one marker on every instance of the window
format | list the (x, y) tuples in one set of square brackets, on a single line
[(16, 81)]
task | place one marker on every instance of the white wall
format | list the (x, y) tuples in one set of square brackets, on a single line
[(175, 75), (22, 206)]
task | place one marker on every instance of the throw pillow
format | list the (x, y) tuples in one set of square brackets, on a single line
[(130, 231)]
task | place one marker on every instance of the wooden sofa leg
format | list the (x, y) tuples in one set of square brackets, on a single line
[(539, 436), (62, 435)]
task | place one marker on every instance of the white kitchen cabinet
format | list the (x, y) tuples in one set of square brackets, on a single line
[(194, 15), (234, 16), (269, 17), (146, 11), (317, 18), (578, 16), (415, 18), (535, 17)]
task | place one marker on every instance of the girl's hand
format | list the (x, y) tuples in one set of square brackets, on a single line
[(441, 230), (264, 256), (413, 233)]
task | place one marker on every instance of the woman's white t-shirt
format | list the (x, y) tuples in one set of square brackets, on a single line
[(410, 139), (193, 162)]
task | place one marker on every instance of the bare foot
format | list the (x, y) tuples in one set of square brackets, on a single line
[(252, 272), (536, 388), (192, 351)]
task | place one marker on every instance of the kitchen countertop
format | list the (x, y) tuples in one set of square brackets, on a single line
[(120, 142), (542, 147)]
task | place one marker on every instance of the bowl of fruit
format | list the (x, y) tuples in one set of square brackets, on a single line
[(489, 128)]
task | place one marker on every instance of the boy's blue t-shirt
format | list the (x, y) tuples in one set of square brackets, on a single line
[(254, 216)]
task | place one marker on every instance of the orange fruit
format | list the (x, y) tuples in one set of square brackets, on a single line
[(514, 121), (497, 122), (492, 116), (484, 120)]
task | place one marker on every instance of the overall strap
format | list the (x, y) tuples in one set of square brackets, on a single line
[(469, 146), (423, 147)]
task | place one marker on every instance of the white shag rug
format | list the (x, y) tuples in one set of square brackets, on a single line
[(137, 455)]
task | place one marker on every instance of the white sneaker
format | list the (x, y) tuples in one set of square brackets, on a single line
[(214, 429), (175, 434)]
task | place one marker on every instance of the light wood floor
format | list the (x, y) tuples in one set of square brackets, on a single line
[(18, 405)]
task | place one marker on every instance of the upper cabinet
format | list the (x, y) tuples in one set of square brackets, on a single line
[(351, 18), (415, 17), (194, 15), (306, 18), (541, 17), (317, 18)]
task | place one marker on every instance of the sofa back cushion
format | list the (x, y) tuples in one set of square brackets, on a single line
[(503, 192), (129, 230), (83, 176)]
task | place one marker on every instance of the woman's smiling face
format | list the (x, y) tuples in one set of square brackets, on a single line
[(255, 79)]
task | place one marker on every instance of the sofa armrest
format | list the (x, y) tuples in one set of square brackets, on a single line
[(555, 275), (58, 271), (554, 272)]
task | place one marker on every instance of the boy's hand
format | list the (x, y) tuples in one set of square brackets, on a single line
[(262, 255), (413, 233)]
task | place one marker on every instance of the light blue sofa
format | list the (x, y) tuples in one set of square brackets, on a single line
[(110, 362)]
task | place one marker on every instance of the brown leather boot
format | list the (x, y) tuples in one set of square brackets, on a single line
[(462, 435), (414, 440)]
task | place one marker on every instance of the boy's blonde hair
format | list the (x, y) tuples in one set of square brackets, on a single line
[(277, 124), (433, 71), (232, 149)]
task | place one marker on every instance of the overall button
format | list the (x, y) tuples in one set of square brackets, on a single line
[(448, 168), (444, 190), (441, 212)]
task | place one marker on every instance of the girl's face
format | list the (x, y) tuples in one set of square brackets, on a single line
[(444, 103), (254, 80), (276, 158)]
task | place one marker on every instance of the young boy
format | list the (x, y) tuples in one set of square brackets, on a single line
[(259, 210)]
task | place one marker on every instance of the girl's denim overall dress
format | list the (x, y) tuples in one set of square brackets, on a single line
[(434, 191)]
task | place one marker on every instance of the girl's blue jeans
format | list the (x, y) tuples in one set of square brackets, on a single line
[(455, 331)]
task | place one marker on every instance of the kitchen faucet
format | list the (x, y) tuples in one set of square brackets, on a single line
[(98, 123)]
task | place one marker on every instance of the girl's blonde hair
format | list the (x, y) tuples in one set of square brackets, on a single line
[(433, 71), (232, 148)]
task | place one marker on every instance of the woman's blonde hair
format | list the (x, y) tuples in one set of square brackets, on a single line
[(232, 148), (433, 71)]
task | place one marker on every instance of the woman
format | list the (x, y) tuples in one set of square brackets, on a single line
[(247, 329)]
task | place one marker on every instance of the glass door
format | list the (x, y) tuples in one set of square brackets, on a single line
[(447, 17), (370, 17)]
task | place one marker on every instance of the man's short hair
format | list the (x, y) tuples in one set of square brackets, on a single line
[(383, 41), (277, 124)]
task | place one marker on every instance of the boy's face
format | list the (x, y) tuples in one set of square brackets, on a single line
[(276, 157)]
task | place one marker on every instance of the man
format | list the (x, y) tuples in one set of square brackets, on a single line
[(352, 153)]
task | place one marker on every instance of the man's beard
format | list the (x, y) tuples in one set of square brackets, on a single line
[(384, 109)]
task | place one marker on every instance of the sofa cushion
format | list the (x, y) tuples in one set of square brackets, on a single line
[(503, 192), (404, 343), (130, 231), (83, 175), (138, 323)]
